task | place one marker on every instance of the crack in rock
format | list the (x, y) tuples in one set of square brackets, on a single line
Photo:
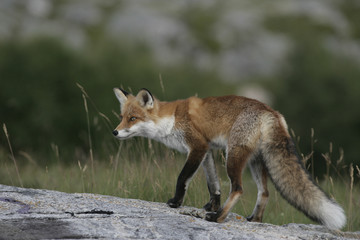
[(93, 211)]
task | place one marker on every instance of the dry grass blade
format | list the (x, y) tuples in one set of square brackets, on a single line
[(341, 158), (90, 142), (116, 115), (106, 120), (12, 155), (351, 171), (28, 157), (307, 157), (162, 84), (105, 117), (327, 158), (82, 89)]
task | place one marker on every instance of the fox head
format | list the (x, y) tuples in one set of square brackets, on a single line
[(136, 114)]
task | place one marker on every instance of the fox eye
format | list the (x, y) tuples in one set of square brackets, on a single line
[(132, 119)]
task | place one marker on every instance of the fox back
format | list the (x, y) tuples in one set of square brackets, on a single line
[(174, 123)]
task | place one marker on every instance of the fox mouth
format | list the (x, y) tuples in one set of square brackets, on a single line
[(126, 137)]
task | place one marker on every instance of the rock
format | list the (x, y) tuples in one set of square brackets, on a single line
[(44, 214)]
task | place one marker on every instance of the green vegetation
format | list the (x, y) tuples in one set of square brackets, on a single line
[(43, 107)]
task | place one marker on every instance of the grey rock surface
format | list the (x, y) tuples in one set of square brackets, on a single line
[(44, 214)]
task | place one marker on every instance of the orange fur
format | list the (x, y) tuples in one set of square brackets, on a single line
[(250, 131)]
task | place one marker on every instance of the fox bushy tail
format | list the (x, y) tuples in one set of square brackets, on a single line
[(293, 181)]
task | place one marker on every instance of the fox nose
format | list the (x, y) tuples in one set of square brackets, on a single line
[(115, 132)]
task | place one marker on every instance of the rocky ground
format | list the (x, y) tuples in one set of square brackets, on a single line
[(44, 214)]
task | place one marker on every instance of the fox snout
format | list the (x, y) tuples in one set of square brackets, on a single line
[(124, 133)]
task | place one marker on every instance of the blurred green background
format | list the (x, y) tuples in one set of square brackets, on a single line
[(302, 58)]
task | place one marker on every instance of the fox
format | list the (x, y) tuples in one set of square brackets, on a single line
[(252, 134)]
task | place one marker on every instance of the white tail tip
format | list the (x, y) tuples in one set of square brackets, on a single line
[(332, 215)]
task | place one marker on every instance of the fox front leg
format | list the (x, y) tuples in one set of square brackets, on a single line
[(192, 164)]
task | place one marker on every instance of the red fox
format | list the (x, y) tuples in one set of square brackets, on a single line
[(251, 133)]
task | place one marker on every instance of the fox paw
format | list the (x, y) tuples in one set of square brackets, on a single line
[(213, 205), (211, 217), (250, 218), (173, 203), (208, 207), (254, 219)]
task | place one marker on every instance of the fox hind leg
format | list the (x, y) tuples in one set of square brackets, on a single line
[(259, 174), (212, 182)]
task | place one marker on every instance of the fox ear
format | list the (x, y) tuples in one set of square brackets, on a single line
[(145, 98), (121, 95)]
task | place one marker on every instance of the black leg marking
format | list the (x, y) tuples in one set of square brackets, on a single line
[(191, 165), (213, 205)]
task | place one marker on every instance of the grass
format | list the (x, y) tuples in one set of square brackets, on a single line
[(142, 169)]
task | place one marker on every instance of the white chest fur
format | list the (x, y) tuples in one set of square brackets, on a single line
[(163, 131), (176, 141)]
